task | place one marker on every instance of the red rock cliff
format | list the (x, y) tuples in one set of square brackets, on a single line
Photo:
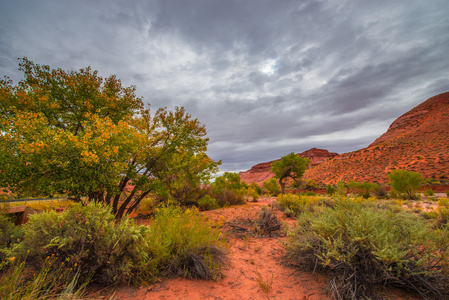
[(417, 141), (261, 172)]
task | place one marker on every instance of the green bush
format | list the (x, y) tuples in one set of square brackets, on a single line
[(341, 190), (207, 202), (251, 193), (10, 235), (228, 197), (88, 239), (394, 194), (296, 204), (308, 193), (442, 212), (184, 243), (380, 192), (272, 187), (330, 190), (256, 188), (50, 282), (364, 245), (429, 192)]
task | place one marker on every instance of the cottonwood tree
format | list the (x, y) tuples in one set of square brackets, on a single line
[(404, 181), (290, 166), (74, 133)]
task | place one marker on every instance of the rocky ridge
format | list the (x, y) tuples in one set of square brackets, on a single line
[(417, 141), (261, 172)]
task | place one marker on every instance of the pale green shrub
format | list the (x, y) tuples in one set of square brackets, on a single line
[(88, 239), (364, 245), (185, 243)]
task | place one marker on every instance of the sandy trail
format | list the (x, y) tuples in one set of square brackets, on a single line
[(254, 269)]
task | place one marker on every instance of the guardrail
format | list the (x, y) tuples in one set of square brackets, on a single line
[(30, 200)]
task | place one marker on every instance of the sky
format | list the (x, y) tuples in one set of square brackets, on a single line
[(266, 77)]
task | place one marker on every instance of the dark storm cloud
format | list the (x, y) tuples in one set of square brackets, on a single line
[(265, 77)]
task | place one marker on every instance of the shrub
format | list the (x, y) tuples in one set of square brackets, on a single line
[(251, 193), (309, 193), (257, 188), (429, 192), (16, 284), (442, 212), (10, 235), (393, 194), (341, 189), (296, 204), (146, 206), (362, 188), (380, 192), (184, 243), (228, 197), (330, 190), (228, 189), (207, 202), (364, 245), (447, 193), (267, 221), (87, 238), (272, 187)]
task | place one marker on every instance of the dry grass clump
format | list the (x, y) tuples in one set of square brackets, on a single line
[(265, 283), (267, 222)]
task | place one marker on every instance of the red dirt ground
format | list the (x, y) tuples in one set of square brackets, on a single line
[(252, 262)]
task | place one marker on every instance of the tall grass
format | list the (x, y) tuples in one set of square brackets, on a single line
[(48, 283), (184, 243)]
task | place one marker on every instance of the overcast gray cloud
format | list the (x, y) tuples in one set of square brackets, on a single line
[(266, 77)]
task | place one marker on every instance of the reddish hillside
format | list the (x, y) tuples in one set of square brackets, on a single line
[(261, 172), (417, 141)]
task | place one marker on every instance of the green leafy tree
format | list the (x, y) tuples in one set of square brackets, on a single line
[(77, 134), (363, 189), (404, 181), (290, 166), (230, 181)]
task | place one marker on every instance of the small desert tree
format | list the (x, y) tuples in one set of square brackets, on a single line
[(404, 181), (290, 166)]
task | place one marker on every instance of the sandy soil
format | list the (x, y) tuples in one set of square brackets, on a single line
[(255, 268)]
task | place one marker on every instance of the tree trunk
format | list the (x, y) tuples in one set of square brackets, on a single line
[(282, 184)]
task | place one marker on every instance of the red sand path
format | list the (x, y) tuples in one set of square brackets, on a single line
[(250, 260)]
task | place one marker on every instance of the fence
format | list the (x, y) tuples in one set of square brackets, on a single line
[(30, 200)]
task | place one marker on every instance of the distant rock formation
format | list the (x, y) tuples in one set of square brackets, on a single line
[(417, 141), (261, 172)]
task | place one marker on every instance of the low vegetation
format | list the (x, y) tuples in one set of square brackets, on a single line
[(183, 243), (86, 244), (364, 246)]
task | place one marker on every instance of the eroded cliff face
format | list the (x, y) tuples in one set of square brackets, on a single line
[(417, 141), (262, 172), (409, 122)]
